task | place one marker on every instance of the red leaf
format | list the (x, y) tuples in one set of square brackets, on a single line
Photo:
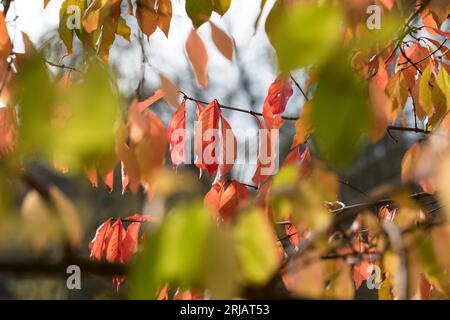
[(266, 164), (97, 245), (114, 238), (130, 242), (224, 201), (205, 138), (176, 135), (228, 148), (275, 103)]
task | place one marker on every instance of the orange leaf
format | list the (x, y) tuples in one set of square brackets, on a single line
[(198, 57), (224, 201), (154, 13), (170, 91), (222, 41), (142, 105), (303, 126), (8, 130)]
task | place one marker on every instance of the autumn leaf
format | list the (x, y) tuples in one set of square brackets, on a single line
[(302, 160), (224, 198), (176, 135), (267, 158), (275, 103), (5, 43), (206, 141), (170, 91), (228, 148), (222, 41), (303, 126), (198, 57), (154, 13), (97, 245)]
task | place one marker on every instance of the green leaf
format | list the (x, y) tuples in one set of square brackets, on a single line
[(175, 253), (221, 6), (255, 244), (303, 34), (340, 112), (199, 11), (88, 133), (35, 106)]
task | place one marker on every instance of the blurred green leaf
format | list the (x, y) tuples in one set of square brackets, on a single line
[(35, 106), (256, 246), (303, 34), (86, 119), (430, 267), (340, 112), (175, 253)]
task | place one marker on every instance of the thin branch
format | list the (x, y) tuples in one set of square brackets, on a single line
[(416, 130), (410, 61), (237, 109), (351, 186), (61, 66), (299, 87)]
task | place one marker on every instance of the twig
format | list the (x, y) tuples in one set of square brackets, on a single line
[(299, 87), (416, 130), (253, 113), (61, 66), (351, 186)]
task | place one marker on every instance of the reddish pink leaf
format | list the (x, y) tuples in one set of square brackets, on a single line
[(205, 138), (176, 135), (228, 150), (279, 93), (97, 245)]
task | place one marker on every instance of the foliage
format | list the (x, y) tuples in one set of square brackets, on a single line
[(290, 227)]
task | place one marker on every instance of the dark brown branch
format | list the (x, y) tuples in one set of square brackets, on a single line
[(237, 109), (416, 130), (61, 66), (58, 268), (299, 87), (409, 60)]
